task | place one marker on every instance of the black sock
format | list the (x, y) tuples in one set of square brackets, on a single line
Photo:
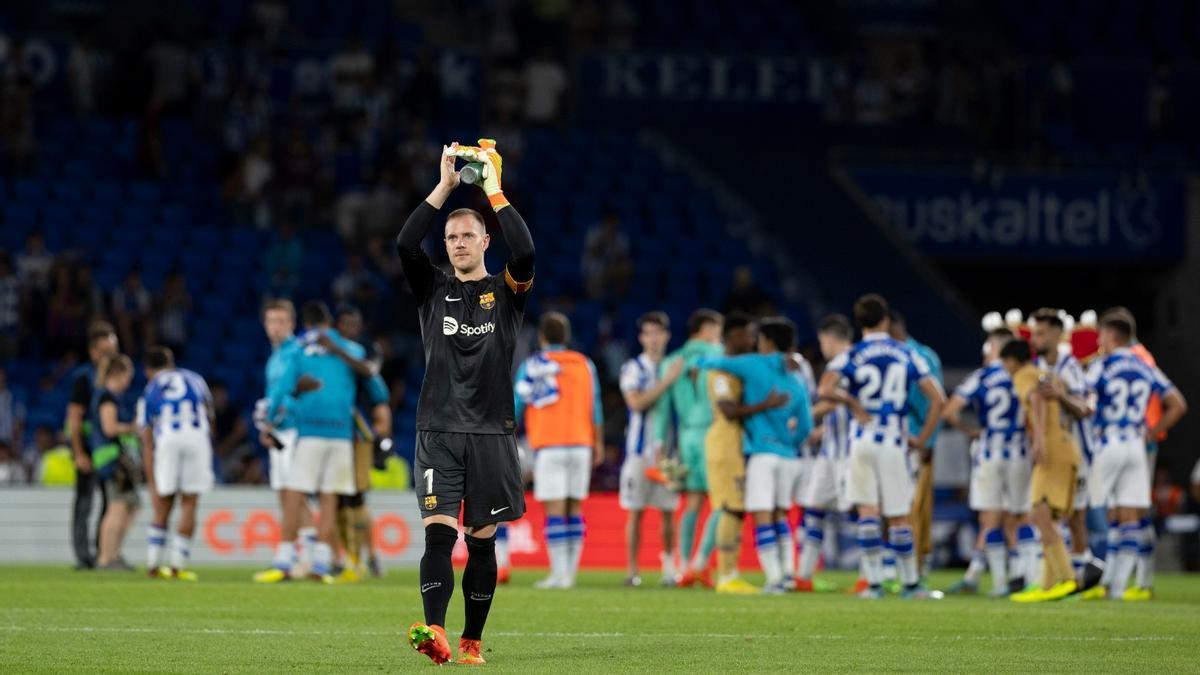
[(479, 584), (437, 573)]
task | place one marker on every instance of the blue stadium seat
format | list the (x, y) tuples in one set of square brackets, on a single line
[(145, 192), (108, 192), (29, 190)]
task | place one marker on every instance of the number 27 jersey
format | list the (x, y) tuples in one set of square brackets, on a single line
[(878, 372)]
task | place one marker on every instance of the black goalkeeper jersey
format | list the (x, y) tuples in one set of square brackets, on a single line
[(469, 330)]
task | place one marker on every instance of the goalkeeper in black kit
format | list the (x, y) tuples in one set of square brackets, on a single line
[(466, 450)]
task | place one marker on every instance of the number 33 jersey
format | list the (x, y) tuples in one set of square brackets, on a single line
[(175, 401), (1122, 385)]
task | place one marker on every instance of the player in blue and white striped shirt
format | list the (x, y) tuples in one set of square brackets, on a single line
[(175, 418), (825, 487), (873, 379), (642, 485), (1121, 386), (1000, 469)]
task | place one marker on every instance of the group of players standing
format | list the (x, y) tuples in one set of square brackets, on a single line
[(753, 432), (758, 435), (1055, 439)]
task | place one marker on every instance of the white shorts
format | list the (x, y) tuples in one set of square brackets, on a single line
[(322, 466), (561, 473), (801, 475), (1001, 485), (825, 488), (639, 492), (281, 458), (878, 474), (1120, 474), (769, 482), (183, 463)]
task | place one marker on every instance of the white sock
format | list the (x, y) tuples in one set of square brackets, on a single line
[(814, 538), (306, 542), (285, 556), (1014, 564), (766, 542), (888, 560), (560, 558), (1145, 561), (997, 558), (575, 536), (901, 539), (787, 549), (1111, 549), (156, 541), (975, 568), (322, 558), (1030, 552), (870, 541), (181, 550), (668, 564), (1126, 558)]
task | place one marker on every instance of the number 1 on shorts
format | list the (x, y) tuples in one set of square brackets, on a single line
[(428, 481)]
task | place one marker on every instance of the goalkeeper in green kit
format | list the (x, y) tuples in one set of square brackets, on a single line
[(686, 404)]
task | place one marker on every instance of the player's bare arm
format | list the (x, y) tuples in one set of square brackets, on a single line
[(360, 367), (640, 401), (1174, 408), (740, 411), (952, 416), (830, 390), (1037, 426), (147, 438), (933, 417), (1055, 389), (822, 408)]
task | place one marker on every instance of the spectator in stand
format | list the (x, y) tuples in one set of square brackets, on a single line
[(10, 308), (246, 189), (174, 304), (283, 261), (606, 262), (17, 117), (12, 415), (48, 459), (65, 313), (12, 472), (34, 263), (231, 434), (746, 296), (83, 62), (132, 309), (346, 285), (298, 178), (351, 70), (94, 301), (545, 86)]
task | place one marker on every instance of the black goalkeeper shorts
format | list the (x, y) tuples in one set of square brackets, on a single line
[(479, 471)]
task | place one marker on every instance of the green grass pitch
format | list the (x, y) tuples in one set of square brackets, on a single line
[(57, 620)]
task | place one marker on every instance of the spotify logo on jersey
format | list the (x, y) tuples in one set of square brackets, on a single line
[(450, 326)]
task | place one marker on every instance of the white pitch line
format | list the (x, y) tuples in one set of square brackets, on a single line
[(597, 635)]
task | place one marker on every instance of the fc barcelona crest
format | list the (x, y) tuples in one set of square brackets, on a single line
[(487, 300), (430, 502)]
